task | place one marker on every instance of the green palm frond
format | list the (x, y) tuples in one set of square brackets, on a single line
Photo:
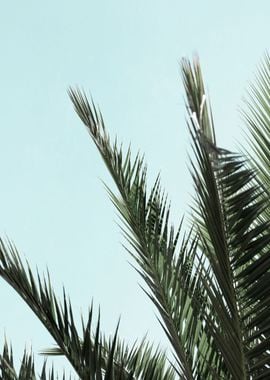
[(165, 263), (198, 106), (257, 117), (51, 375), (7, 366), (39, 296), (91, 354), (235, 240), (210, 285), (135, 362), (142, 360), (26, 370)]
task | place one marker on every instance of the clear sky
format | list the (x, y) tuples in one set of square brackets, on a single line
[(127, 53)]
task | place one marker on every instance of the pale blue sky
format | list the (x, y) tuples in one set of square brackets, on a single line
[(127, 53)]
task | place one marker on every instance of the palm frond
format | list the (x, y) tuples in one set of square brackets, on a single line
[(134, 362), (234, 239), (165, 263), (141, 360), (91, 354), (6, 364), (210, 286), (257, 117), (40, 297), (26, 370)]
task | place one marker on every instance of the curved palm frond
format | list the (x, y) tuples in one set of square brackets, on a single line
[(210, 285), (235, 240), (135, 362), (91, 355), (166, 264), (39, 296), (257, 118)]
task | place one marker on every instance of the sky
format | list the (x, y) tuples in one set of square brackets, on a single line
[(127, 55)]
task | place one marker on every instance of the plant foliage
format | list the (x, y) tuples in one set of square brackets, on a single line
[(210, 281)]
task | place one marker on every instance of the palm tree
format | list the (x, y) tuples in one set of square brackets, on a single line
[(210, 284)]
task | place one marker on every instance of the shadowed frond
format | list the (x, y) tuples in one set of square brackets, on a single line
[(257, 118), (235, 240)]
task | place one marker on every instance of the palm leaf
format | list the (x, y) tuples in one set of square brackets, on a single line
[(91, 355), (26, 370), (257, 118), (235, 240), (166, 263)]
